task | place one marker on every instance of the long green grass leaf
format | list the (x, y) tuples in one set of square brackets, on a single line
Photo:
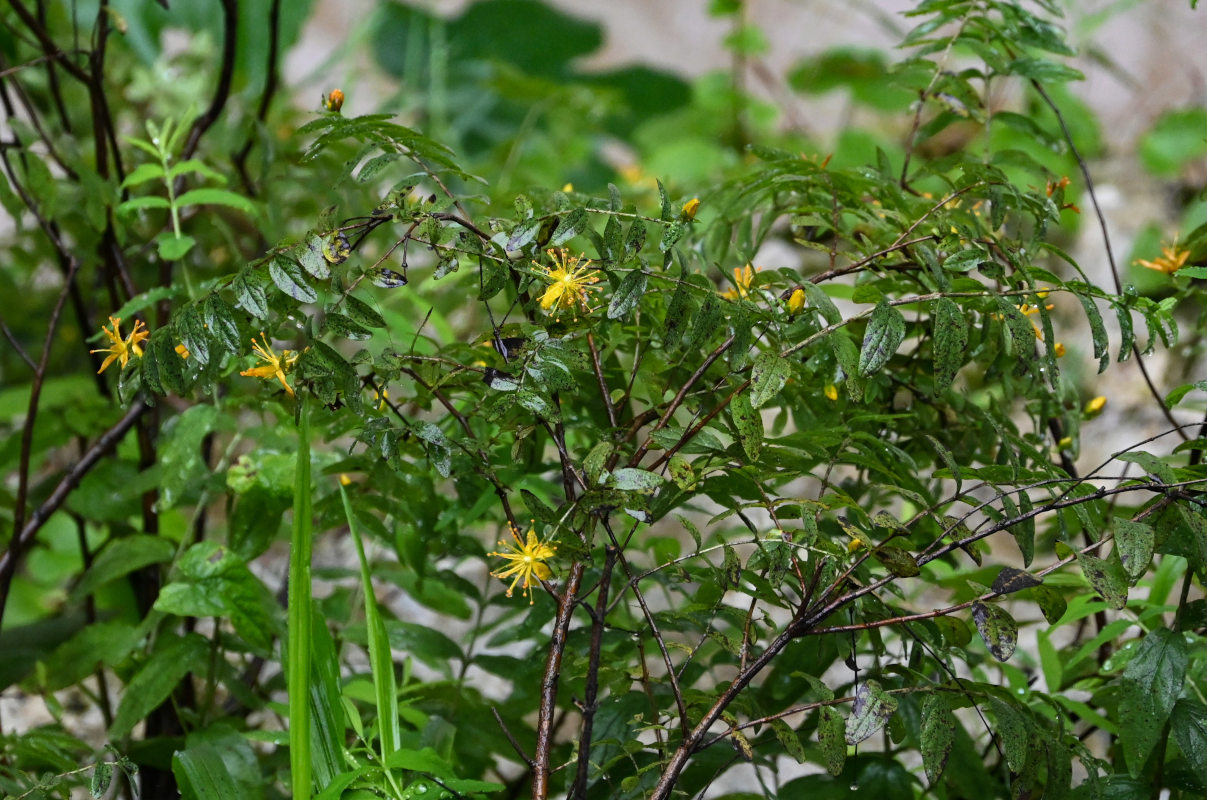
[(297, 668), (380, 660)]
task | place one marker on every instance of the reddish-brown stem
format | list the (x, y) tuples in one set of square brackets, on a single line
[(566, 603), (591, 692)]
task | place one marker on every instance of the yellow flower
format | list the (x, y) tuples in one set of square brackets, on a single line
[(796, 301), (831, 392), (525, 562), (1172, 259), (1058, 350), (335, 101), (275, 366), (182, 351), (569, 187), (119, 348), (690, 208), (569, 281), (1095, 406), (344, 480), (742, 278)]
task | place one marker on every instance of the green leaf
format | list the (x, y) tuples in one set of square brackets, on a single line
[(427, 644), (329, 731), (216, 197), (821, 301), (997, 628), (885, 332), (217, 762), (1189, 728), (627, 294), (381, 662), (362, 313), (831, 737), (250, 294), (310, 256), (173, 248), (121, 557), (523, 234), (731, 569), (1012, 728), (220, 320), (182, 466), (628, 479), (899, 562), (192, 331), (1134, 543), (1012, 579), (287, 275), (1150, 686), (571, 225), (965, 260), (789, 740), (174, 657), (749, 425), (769, 374), (1176, 140), (937, 735), (951, 342), (871, 710), (1097, 332), (677, 314), (143, 173), (1051, 603), (1107, 577), (139, 203)]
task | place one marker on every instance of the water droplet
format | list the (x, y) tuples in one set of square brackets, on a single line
[(421, 788), (854, 787)]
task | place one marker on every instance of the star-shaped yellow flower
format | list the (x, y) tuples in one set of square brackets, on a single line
[(1172, 259), (120, 349), (525, 562), (742, 278), (569, 281), (275, 366)]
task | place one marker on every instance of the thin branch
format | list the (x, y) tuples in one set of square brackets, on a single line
[(590, 693), (270, 89), (230, 24), (684, 722), (1106, 241), (566, 603), (107, 441), (507, 732)]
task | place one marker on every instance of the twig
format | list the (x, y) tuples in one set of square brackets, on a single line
[(1110, 253), (590, 693)]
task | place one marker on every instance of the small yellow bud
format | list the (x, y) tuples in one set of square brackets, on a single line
[(831, 391), (1095, 406), (182, 351), (690, 208), (334, 101), (569, 187), (796, 301), (1065, 443), (1059, 350), (854, 544), (344, 480)]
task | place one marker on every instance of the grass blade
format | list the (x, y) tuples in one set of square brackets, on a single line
[(297, 667), (380, 659)]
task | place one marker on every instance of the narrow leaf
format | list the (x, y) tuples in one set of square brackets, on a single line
[(997, 628), (885, 332)]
